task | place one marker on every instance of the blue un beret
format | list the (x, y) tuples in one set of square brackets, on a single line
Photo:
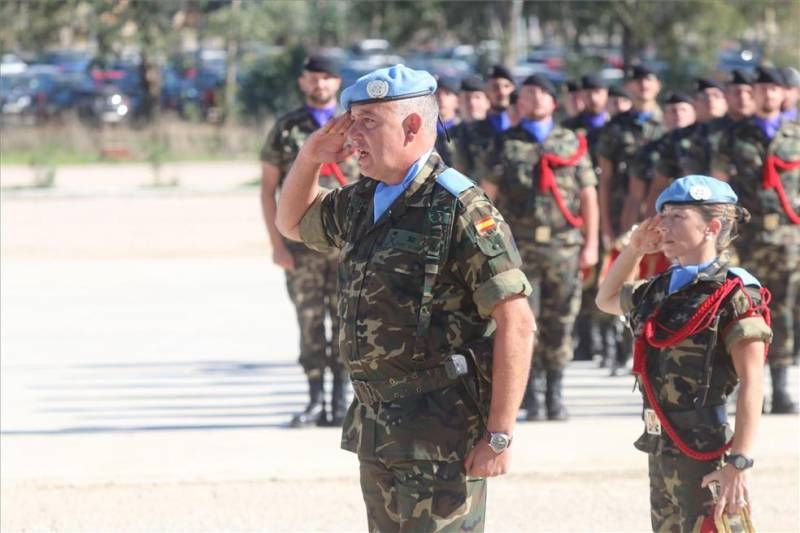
[(696, 189), (386, 84)]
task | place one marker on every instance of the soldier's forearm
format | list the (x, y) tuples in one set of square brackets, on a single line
[(622, 270), (299, 191), (513, 345)]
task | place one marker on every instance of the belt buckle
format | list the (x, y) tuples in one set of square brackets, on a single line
[(651, 422)]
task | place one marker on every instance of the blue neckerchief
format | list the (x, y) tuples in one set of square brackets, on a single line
[(789, 115), (769, 126), (539, 129), (643, 116), (499, 121), (442, 124), (681, 276), (596, 121), (385, 195), (322, 115)]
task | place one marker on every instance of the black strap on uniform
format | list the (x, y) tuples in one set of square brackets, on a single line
[(438, 230)]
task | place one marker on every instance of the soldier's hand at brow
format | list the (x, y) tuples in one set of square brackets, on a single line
[(329, 143), (482, 461), (646, 237)]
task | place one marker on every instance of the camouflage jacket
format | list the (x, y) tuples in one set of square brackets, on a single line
[(283, 143), (741, 156), (690, 150), (645, 161), (516, 172), (381, 275), (580, 125), (619, 141), (676, 372), (472, 143)]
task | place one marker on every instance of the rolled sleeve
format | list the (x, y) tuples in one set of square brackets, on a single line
[(753, 328), (498, 288)]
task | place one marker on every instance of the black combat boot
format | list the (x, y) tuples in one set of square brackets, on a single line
[(782, 403), (552, 397), (339, 398), (314, 413), (532, 398)]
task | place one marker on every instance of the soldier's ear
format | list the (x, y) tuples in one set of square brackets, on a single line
[(714, 227), (412, 124)]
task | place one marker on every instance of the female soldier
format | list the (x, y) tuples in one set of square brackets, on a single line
[(700, 328)]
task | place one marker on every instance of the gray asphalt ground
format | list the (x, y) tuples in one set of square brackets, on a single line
[(148, 371)]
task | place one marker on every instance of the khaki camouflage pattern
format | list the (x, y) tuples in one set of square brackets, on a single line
[(678, 504), (312, 284), (556, 299), (312, 290), (515, 171), (473, 142), (676, 372), (381, 275), (618, 143), (690, 150), (769, 245), (421, 496)]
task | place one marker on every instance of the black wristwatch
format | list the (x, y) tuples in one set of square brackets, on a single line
[(739, 461)]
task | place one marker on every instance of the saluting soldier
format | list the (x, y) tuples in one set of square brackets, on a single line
[(624, 135), (310, 276), (701, 330), (760, 157), (544, 184), (426, 263)]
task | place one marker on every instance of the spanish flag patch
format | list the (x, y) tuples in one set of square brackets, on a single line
[(485, 225)]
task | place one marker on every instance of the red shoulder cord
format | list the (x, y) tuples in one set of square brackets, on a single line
[(701, 320), (332, 168), (548, 183), (771, 179)]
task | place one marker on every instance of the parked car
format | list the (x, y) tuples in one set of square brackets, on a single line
[(37, 94)]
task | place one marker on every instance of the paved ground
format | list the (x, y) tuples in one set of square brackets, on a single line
[(148, 368)]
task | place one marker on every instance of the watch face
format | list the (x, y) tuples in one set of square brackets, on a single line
[(498, 442), (740, 462)]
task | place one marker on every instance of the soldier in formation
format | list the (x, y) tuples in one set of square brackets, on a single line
[(543, 182), (310, 276)]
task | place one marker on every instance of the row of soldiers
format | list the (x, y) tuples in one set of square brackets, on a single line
[(570, 182), (744, 130)]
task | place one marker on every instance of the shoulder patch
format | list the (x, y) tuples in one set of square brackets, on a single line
[(454, 181), (746, 277)]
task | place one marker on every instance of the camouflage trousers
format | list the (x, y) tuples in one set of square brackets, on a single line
[(777, 267), (408, 495), (312, 287), (552, 270), (677, 501)]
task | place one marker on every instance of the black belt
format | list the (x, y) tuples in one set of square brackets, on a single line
[(715, 415)]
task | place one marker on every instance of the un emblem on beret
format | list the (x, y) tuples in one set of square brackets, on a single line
[(377, 88), (700, 192)]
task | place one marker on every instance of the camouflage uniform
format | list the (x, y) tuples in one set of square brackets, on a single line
[(549, 245), (618, 143), (690, 150), (595, 330), (473, 146), (769, 245), (677, 502), (312, 284), (410, 431)]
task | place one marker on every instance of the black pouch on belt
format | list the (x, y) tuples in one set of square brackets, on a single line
[(479, 380)]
